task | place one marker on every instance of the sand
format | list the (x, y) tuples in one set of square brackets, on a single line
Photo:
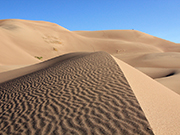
[(47, 72), (87, 94), (160, 104), (22, 41), (12, 74)]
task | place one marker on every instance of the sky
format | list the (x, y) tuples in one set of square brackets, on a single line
[(159, 18)]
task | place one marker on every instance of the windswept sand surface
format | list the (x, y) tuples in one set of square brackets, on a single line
[(160, 104), (60, 87), (22, 41), (84, 95)]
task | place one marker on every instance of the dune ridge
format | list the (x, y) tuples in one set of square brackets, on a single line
[(52, 83), (24, 41), (82, 95), (12, 74), (160, 104)]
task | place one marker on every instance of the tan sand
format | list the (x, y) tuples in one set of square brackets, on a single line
[(27, 45), (22, 41), (12, 74), (160, 104), (87, 94)]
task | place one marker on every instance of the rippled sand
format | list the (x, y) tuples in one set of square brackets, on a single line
[(86, 94)]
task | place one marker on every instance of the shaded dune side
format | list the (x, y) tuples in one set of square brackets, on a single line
[(84, 95)]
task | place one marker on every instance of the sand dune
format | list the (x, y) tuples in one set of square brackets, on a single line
[(12, 74), (42, 59), (30, 39), (83, 95), (23, 42), (160, 104)]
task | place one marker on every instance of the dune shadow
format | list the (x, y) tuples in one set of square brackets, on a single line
[(170, 74)]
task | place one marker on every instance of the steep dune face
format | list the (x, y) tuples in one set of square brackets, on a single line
[(33, 38), (48, 40), (28, 42), (155, 57), (28, 57), (86, 94), (160, 104), (40, 39), (10, 52)]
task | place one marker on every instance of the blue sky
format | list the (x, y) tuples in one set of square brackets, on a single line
[(159, 18)]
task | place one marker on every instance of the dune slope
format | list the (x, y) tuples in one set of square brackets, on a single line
[(81, 95), (160, 104), (26, 42)]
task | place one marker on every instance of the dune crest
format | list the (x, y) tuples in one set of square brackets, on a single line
[(87, 94), (26, 42), (160, 104), (51, 82)]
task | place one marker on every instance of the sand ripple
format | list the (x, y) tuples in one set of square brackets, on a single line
[(83, 95)]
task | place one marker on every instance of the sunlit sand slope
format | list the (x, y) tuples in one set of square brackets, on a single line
[(87, 94), (24, 42), (160, 104)]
